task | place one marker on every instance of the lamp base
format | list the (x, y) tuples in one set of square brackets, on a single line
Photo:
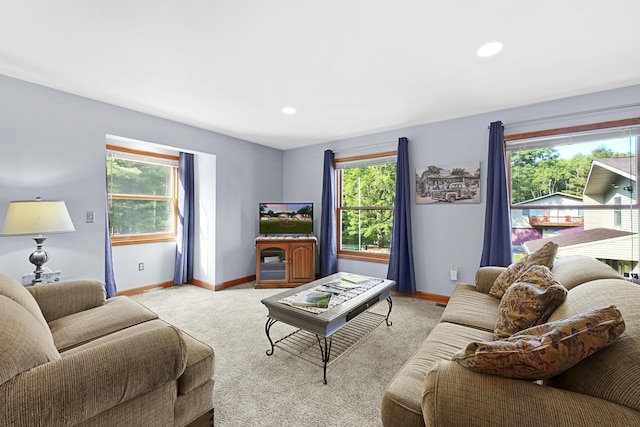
[(38, 258)]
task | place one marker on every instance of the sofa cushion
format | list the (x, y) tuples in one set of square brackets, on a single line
[(545, 350), (575, 270), (200, 364), (402, 400), (61, 299), (199, 367), (543, 256), (612, 373), (117, 313), (486, 277), (25, 343), (469, 307), (11, 288), (528, 302)]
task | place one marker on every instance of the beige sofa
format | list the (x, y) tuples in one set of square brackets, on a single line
[(68, 356), (603, 389)]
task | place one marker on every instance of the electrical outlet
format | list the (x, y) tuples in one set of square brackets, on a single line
[(453, 273), (91, 217), (140, 266)]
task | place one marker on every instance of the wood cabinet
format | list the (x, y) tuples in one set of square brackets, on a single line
[(285, 262)]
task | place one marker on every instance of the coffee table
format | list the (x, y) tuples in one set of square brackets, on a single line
[(325, 322)]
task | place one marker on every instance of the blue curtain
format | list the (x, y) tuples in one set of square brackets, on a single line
[(109, 276), (328, 245), (496, 248), (184, 242), (401, 258)]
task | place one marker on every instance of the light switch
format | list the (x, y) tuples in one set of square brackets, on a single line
[(91, 217)]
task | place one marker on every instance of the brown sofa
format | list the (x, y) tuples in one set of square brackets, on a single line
[(603, 389), (68, 356)]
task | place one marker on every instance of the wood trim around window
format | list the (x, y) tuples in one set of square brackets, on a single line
[(365, 157), (142, 152), (357, 255), (572, 129), (134, 239)]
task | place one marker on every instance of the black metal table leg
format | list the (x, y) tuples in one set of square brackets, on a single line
[(386, 319), (326, 353), (267, 328)]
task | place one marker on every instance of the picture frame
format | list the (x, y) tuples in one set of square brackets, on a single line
[(455, 183)]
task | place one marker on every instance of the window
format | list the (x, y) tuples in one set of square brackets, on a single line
[(366, 194), (578, 188), (142, 195), (617, 213)]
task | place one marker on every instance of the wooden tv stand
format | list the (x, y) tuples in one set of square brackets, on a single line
[(285, 261)]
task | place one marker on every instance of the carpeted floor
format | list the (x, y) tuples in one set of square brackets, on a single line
[(253, 389)]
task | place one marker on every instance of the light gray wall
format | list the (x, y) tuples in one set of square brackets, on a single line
[(448, 234), (52, 144), (205, 216)]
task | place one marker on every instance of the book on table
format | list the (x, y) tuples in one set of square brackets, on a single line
[(355, 279)]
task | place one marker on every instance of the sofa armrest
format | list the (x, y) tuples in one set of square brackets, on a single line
[(81, 385), (485, 276), (455, 396), (61, 299)]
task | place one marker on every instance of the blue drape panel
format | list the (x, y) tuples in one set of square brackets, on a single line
[(328, 245), (109, 276), (184, 240), (401, 267), (496, 248)]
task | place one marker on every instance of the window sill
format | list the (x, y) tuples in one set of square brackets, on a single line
[(359, 256), (138, 240)]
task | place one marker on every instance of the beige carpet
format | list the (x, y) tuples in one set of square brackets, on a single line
[(253, 389)]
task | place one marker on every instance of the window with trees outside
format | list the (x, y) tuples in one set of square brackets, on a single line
[(366, 194), (142, 196), (578, 188)]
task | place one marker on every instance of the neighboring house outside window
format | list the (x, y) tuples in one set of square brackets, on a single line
[(365, 202), (578, 191), (142, 196)]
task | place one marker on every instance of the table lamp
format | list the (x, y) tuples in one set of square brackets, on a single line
[(37, 217)]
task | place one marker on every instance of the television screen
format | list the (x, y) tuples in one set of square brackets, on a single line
[(286, 218)]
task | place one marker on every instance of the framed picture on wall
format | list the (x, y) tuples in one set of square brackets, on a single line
[(455, 183)]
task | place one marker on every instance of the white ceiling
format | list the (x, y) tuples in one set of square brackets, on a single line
[(349, 67)]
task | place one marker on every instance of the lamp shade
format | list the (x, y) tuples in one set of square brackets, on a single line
[(28, 217)]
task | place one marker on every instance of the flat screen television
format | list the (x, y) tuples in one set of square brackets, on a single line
[(286, 218)]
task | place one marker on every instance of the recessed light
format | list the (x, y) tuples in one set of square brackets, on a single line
[(489, 49), (289, 110)]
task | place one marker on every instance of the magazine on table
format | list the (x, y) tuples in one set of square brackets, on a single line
[(340, 285), (311, 300), (329, 294), (335, 287)]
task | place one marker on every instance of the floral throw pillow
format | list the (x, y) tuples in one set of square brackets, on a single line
[(543, 256), (546, 350), (529, 301)]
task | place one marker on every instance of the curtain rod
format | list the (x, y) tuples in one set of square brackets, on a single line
[(577, 113), (363, 146)]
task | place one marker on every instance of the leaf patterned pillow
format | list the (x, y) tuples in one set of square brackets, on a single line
[(543, 256), (529, 301), (546, 350)]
